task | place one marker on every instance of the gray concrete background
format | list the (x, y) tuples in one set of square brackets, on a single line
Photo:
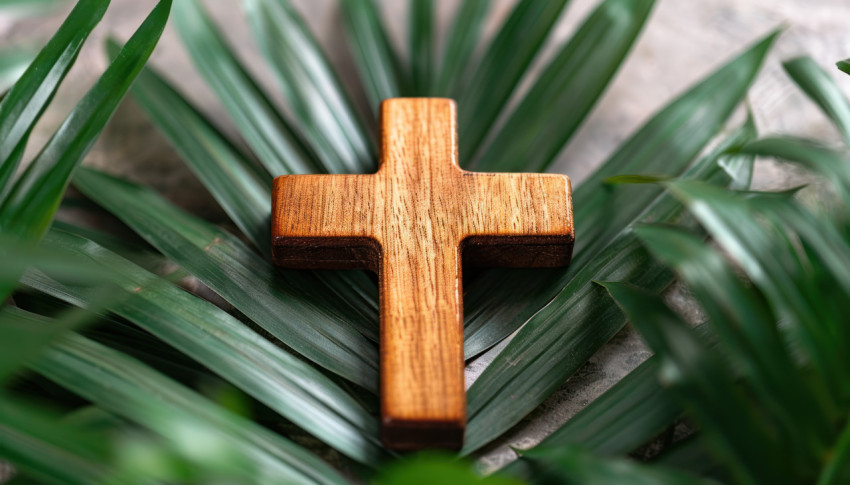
[(684, 40)]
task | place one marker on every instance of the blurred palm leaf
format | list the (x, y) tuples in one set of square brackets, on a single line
[(460, 46), (225, 346), (27, 100), (571, 464), (770, 398), (378, 63), (34, 197), (242, 190), (48, 449), (123, 386), (817, 84), (549, 114), (311, 87), (271, 137), (421, 37), (30, 340), (787, 426)]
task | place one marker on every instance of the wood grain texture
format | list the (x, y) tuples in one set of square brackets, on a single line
[(410, 222)]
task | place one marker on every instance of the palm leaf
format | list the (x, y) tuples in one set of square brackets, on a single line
[(572, 464), (837, 468), (44, 447), (29, 207), (499, 301), (224, 345), (500, 70), (626, 416), (844, 65), (699, 378), (236, 184), (421, 33), (425, 467), (823, 90), (795, 382), (293, 306), (552, 346), (124, 386), (377, 61), (832, 165), (776, 273), (30, 341), (241, 190), (463, 35), (668, 141), (566, 91), (275, 142), (746, 326), (27, 100), (19, 256), (327, 117)]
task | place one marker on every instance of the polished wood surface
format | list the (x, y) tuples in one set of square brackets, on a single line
[(410, 222)]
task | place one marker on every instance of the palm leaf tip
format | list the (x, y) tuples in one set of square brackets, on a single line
[(566, 91), (28, 98), (28, 210), (823, 90)]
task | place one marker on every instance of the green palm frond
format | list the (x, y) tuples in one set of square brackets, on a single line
[(463, 34), (27, 100), (773, 407), (764, 378), (571, 464), (225, 346), (817, 84), (551, 113), (302, 347), (33, 198), (283, 305), (123, 386), (377, 60), (588, 326), (326, 115)]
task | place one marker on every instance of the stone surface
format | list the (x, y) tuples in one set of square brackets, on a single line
[(684, 41)]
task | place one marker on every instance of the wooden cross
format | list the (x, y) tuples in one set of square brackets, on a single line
[(410, 222)]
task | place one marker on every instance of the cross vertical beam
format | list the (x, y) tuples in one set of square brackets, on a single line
[(422, 381), (410, 222)]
